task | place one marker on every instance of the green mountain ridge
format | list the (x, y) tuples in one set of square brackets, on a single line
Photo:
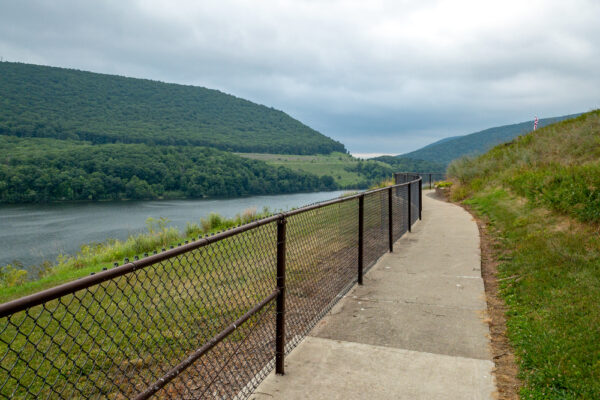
[(41, 101), (448, 149), (74, 135)]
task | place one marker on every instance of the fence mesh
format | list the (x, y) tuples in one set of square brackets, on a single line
[(120, 336), (414, 201), (117, 338), (322, 258), (375, 227), (430, 179), (400, 215)]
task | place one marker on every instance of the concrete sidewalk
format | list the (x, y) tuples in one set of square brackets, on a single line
[(414, 330)]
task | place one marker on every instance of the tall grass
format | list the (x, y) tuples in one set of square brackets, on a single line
[(92, 257), (557, 167), (541, 197), (382, 184)]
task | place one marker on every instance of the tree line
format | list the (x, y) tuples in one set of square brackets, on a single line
[(40, 101), (44, 170)]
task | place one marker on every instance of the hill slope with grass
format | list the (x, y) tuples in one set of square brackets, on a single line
[(540, 196), (347, 172), (40, 101), (448, 149)]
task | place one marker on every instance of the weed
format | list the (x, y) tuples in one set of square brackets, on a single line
[(91, 257), (11, 276)]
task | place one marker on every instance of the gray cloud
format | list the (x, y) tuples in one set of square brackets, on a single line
[(383, 76)]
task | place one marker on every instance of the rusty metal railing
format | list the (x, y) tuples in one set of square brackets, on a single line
[(206, 319), (428, 178)]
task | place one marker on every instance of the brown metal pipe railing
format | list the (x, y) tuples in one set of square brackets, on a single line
[(43, 296), (280, 317), (182, 366), (390, 220), (420, 198), (423, 175), (278, 294), (409, 208), (361, 242)]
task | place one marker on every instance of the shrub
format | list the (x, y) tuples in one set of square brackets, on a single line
[(443, 184), (382, 184), (12, 276), (192, 229)]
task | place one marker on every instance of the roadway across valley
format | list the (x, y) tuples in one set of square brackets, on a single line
[(415, 330)]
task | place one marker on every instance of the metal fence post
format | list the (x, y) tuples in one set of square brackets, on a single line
[(409, 202), (390, 221), (280, 321), (361, 227), (420, 197)]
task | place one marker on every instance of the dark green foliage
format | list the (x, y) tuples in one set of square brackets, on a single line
[(448, 149), (39, 101), (405, 164), (42, 170), (372, 172)]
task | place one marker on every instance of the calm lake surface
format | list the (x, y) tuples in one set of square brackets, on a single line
[(33, 233)]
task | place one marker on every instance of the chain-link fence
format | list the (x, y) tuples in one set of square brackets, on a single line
[(207, 319), (429, 179)]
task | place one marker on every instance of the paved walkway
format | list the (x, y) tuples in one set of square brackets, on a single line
[(414, 330)]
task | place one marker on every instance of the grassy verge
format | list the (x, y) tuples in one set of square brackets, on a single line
[(337, 165), (549, 274), (539, 196)]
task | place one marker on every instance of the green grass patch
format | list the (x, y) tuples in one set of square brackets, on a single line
[(550, 274), (540, 194), (341, 167)]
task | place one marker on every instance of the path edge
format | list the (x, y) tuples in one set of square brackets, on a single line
[(506, 369)]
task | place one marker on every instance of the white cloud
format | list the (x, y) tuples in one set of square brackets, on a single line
[(406, 72)]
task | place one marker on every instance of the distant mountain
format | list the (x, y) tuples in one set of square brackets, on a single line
[(442, 140), (40, 101), (448, 149)]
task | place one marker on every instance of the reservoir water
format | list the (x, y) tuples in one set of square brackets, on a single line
[(33, 233)]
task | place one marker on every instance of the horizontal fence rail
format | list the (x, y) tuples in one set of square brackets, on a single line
[(428, 178), (206, 319)]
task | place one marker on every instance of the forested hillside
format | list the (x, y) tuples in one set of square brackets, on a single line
[(448, 149), (40, 101), (42, 170)]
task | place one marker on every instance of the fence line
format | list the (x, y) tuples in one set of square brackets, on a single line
[(427, 178), (206, 319)]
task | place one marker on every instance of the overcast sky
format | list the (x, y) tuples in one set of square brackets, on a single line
[(379, 76)]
